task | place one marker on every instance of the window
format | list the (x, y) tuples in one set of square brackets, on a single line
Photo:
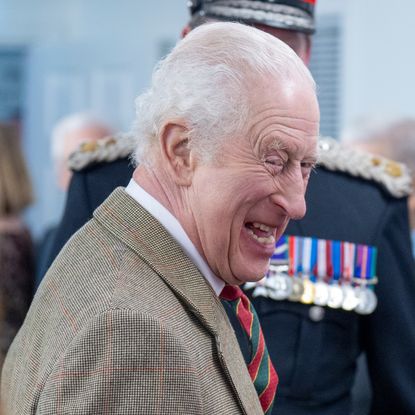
[(325, 67)]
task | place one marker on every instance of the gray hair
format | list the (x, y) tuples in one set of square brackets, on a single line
[(206, 80), (70, 124)]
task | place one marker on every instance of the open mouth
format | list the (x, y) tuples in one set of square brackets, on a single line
[(261, 233)]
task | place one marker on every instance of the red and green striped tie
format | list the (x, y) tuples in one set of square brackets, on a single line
[(260, 367)]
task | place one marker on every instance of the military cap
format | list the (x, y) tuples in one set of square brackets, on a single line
[(295, 15)]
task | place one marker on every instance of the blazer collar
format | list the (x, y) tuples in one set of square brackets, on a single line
[(138, 229)]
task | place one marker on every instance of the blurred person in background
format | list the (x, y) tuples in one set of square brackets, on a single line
[(68, 135), (394, 140), (316, 333), (16, 249)]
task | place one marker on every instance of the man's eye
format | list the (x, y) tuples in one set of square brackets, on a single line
[(275, 165), (308, 165), (307, 168), (274, 161)]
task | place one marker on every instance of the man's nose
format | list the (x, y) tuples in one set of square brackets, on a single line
[(293, 197)]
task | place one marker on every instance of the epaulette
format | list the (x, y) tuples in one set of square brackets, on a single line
[(393, 176), (104, 150)]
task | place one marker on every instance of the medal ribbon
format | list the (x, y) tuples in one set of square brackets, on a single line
[(291, 255), (321, 259), (280, 255), (337, 260), (298, 257), (329, 263), (313, 259), (307, 250)]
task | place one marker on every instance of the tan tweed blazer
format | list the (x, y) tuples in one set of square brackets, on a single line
[(124, 323)]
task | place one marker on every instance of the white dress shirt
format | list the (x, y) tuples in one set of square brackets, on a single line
[(172, 225)]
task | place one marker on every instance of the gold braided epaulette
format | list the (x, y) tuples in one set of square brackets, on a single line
[(104, 150), (393, 176)]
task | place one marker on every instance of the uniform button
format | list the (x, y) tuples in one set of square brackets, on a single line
[(316, 313)]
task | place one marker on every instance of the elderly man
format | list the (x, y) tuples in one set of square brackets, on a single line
[(350, 199), (128, 319)]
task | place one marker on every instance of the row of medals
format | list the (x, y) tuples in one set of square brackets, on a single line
[(357, 296)]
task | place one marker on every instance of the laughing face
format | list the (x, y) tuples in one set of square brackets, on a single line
[(241, 204)]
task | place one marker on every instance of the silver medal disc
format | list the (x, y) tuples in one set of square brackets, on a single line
[(350, 301), (321, 293), (367, 300), (279, 286), (335, 296)]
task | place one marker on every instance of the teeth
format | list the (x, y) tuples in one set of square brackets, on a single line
[(261, 226), (266, 241), (263, 240)]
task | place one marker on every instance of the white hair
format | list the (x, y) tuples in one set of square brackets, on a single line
[(206, 80), (68, 125)]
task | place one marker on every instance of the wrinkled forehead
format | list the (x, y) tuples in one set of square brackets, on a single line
[(289, 105)]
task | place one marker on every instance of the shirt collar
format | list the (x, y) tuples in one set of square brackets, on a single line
[(172, 225)]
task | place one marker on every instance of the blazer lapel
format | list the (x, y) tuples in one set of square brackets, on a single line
[(137, 228)]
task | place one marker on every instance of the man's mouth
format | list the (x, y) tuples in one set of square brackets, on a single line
[(262, 233)]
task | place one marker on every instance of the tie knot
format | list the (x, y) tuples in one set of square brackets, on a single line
[(231, 293)]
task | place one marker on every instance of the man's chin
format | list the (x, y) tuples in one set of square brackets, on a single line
[(250, 274)]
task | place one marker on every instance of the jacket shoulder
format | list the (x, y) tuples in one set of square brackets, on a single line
[(105, 150), (394, 177)]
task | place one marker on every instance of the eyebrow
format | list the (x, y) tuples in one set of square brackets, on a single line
[(280, 144), (277, 144)]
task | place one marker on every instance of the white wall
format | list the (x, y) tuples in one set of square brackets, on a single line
[(378, 60)]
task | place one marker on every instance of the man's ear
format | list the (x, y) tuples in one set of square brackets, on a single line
[(177, 157)]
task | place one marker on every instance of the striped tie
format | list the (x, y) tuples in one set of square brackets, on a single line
[(260, 367)]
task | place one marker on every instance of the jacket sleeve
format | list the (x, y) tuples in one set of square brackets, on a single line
[(123, 362), (389, 333)]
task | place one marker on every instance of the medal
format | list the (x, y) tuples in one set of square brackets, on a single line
[(367, 300), (279, 287), (278, 283), (297, 289), (335, 291), (321, 293), (365, 271), (308, 286), (293, 253), (308, 292), (335, 296), (350, 300)]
